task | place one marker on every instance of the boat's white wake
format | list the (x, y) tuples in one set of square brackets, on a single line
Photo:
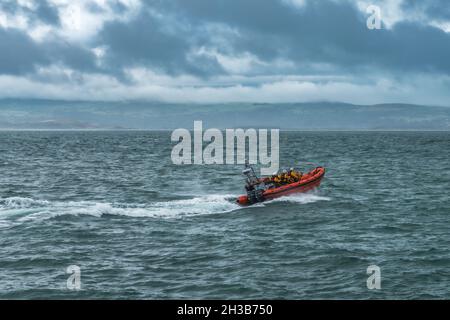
[(25, 209), (302, 198), (16, 210)]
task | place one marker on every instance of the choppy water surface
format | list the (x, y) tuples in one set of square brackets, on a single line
[(140, 227)]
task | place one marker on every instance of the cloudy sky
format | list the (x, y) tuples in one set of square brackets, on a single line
[(226, 50)]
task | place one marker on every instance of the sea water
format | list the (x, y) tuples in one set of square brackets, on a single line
[(137, 226)]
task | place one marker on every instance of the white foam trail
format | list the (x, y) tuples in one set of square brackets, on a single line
[(302, 198), (18, 210), (168, 209), (19, 202), (17, 207), (25, 209)]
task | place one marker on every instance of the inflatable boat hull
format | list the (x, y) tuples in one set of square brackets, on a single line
[(309, 181)]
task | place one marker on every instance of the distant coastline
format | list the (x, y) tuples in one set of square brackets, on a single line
[(22, 114)]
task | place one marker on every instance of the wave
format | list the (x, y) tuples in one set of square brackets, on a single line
[(25, 209), (302, 198), (19, 210), (19, 202)]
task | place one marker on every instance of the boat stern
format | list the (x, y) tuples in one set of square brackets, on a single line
[(242, 200)]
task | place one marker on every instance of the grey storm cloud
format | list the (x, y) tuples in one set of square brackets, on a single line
[(165, 35), (434, 9), (20, 54), (43, 11), (115, 5), (145, 41), (323, 32), (47, 13)]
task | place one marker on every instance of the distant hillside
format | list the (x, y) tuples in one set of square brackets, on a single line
[(48, 114)]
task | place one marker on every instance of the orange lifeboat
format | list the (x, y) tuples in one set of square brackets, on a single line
[(307, 182)]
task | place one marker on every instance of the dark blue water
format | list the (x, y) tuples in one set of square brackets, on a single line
[(139, 227)]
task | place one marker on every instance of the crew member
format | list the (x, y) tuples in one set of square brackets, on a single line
[(296, 175), (285, 176)]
